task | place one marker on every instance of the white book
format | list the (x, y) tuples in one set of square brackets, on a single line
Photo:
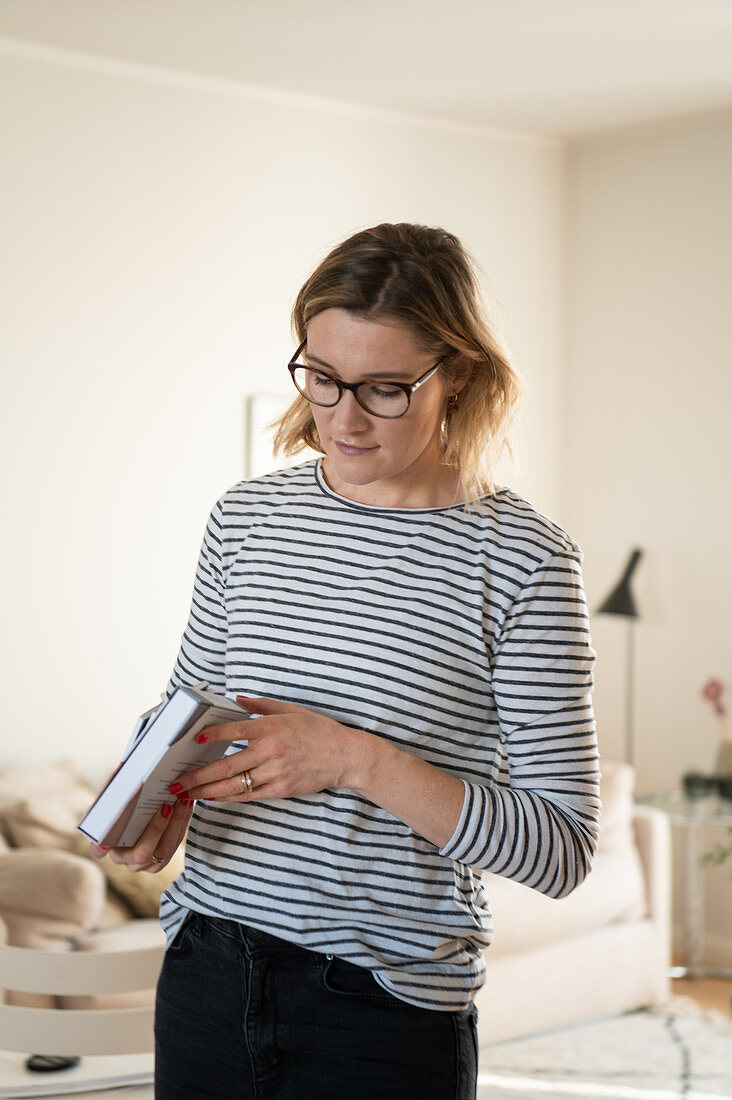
[(162, 748)]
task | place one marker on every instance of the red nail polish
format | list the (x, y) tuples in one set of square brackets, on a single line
[(166, 810), (202, 738), (175, 788), (104, 848), (184, 798)]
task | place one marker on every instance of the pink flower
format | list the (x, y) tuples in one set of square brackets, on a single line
[(713, 690)]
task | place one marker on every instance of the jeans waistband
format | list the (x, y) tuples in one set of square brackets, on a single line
[(255, 939)]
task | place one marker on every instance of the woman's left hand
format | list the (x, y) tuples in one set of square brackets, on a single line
[(291, 751)]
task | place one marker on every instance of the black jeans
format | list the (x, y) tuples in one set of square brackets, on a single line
[(242, 1015)]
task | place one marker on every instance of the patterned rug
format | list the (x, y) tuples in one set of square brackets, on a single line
[(679, 1051)]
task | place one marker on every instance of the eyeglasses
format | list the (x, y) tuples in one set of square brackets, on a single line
[(385, 399)]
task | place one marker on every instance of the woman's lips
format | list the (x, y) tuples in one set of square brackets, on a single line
[(350, 449)]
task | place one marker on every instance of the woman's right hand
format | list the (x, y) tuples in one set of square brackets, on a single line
[(161, 839)]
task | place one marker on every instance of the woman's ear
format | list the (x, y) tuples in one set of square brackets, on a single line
[(457, 373)]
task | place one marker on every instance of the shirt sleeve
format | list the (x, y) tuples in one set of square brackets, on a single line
[(540, 828), (202, 654)]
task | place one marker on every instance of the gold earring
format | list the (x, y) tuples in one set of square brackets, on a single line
[(452, 404)]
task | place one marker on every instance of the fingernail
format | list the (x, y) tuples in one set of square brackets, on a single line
[(174, 788), (105, 849), (242, 698), (202, 738), (166, 810), (184, 798)]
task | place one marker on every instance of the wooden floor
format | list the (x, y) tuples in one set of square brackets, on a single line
[(707, 992)]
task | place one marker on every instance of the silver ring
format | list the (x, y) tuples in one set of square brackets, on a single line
[(247, 782)]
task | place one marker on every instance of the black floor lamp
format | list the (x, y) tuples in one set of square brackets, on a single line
[(622, 602)]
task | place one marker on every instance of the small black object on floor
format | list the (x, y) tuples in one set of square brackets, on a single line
[(49, 1063)]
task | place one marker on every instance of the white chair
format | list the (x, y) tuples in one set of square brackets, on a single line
[(116, 1044)]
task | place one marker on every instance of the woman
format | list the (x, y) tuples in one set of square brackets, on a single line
[(411, 645)]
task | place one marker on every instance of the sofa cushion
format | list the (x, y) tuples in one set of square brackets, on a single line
[(33, 782), (40, 807), (140, 890), (50, 822), (47, 821), (130, 936), (48, 898), (115, 911)]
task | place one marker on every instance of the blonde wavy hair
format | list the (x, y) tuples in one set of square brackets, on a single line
[(424, 278)]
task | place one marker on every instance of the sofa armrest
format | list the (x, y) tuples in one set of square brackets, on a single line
[(653, 841)]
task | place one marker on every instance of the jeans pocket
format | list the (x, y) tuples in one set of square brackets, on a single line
[(183, 936), (347, 980)]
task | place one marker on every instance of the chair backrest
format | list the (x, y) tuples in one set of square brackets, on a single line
[(68, 1031)]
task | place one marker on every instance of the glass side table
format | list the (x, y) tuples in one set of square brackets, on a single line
[(693, 815)]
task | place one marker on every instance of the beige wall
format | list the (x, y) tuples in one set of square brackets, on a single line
[(646, 440), (155, 231)]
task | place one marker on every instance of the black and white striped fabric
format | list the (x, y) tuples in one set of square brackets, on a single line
[(461, 636)]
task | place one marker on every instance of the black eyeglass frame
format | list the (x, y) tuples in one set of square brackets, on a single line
[(408, 388)]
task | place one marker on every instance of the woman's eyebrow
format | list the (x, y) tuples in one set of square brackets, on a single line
[(394, 376)]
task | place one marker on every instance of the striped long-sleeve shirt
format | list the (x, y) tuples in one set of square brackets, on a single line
[(460, 635)]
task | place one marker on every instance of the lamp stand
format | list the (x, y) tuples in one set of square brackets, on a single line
[(630, 695)]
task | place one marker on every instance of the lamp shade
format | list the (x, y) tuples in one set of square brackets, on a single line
[(621, 600)]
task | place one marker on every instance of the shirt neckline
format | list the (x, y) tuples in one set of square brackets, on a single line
[(378, 508)]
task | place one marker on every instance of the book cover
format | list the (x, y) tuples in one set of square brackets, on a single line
[(163, 748)]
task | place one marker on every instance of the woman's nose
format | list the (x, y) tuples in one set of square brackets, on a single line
[(348, 416)]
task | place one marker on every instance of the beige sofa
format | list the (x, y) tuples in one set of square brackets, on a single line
[(602, 950), (53, 895)]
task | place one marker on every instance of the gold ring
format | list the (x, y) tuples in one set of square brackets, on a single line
[(155, 859), (247, 782)]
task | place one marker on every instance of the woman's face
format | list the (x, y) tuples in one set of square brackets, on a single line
[(392, 463)]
